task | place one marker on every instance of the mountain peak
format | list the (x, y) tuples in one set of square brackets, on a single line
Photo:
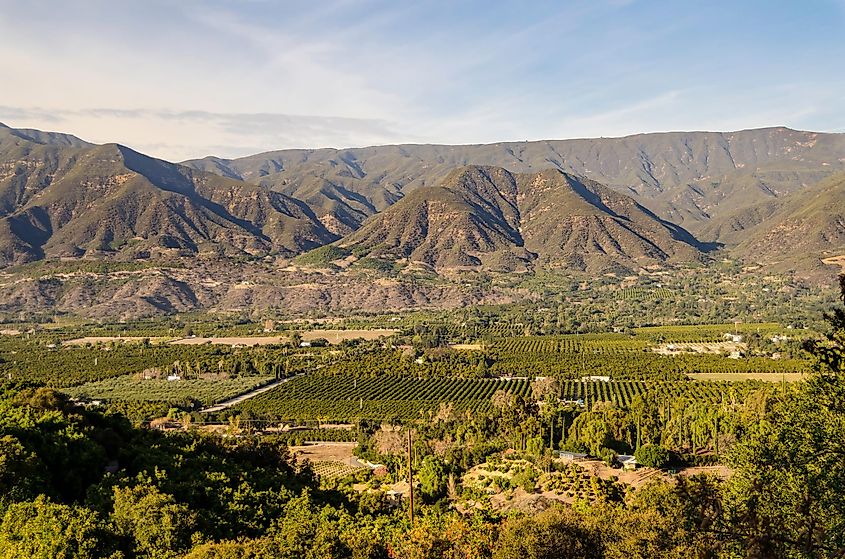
[(487, 217)]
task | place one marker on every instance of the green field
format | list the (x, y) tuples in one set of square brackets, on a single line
[(130, 388), (349, 398), (385, 398)]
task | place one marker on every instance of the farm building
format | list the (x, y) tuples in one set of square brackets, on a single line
[(569, 456), (629, 463)]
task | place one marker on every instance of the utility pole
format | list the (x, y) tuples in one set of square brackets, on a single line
[(410, 481)]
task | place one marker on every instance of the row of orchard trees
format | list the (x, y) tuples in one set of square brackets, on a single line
[(682, 423)]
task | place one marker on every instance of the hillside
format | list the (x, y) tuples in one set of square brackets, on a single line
[(61, 197), (802, 230), (590, 205), (689, 178), (490, 218)]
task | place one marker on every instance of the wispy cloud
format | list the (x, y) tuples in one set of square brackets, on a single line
[(192, 134), (223, 76)]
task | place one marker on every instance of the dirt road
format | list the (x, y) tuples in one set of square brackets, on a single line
[(247, 395)]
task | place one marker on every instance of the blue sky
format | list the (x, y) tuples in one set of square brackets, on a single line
[(186, 78)]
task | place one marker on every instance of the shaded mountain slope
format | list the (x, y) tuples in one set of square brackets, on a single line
[(64, 198), (472, 220), (576, 223), (490, 218), (809, 224)]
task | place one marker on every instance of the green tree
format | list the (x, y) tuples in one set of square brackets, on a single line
[(784, 498), (19, 471), (652, 455), (556, 533), (433, 478), (41, 529), (157, 526)]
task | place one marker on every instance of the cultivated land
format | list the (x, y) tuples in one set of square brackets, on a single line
[(118, 339), (337, 336), (246, 341), (766, 377), (332, 336), (466, 379), (555, 335), (130, 388)]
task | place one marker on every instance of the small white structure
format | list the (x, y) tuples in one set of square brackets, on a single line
[(569, 456), (596, 378), (628, 462), (172, 378)]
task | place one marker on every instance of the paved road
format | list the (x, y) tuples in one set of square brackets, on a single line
[(246, 396)]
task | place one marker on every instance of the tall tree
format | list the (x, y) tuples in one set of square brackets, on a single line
[(785, 496)]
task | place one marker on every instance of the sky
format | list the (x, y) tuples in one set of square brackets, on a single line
[(186, 78)]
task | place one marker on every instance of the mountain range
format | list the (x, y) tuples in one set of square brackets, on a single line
[(773, 196)]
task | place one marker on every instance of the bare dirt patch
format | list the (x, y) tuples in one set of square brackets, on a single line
[(119, 339), (711, 347), (835, 261), (233, 341), (326, 452)]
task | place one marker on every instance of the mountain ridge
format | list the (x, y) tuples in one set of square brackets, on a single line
[(487, 217), (725, 185), (69, 200), (683, 177)]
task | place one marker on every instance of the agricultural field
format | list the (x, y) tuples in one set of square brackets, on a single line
[(704, 333), (94, 340), (622, 393), (40, 360), (644, 365), (332, 336), (644, 293), (330, 460), (765, 377), (646, 353), (131, 388), (244, 341), (331, 470), (678, 348), (566, 482), (421, 367), (394, 398), (297, 437), (349, 398), (587, 343), (337, 336)]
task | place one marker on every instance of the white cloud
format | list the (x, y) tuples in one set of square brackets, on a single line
[(196, 77), (180, 135)]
